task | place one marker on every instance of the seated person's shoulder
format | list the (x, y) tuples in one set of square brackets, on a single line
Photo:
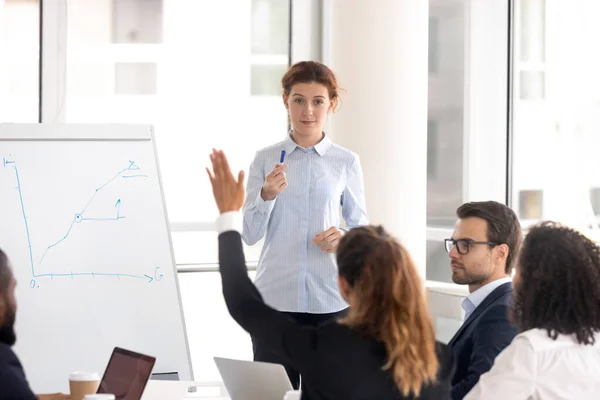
[(494, 315), (13, 384), (493, 326)]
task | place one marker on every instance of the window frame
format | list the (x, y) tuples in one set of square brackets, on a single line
[(303, 44), (487, 106)]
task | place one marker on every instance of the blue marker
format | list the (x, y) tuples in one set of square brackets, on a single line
[(282, 158)]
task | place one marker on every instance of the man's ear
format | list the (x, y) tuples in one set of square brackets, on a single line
[(502, 251)]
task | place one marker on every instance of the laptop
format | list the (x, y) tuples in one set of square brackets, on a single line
[(126, 374), (251, 380)]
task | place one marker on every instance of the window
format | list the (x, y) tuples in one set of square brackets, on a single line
[(556, 113), (174, 65), (531, 49), (531, 204), (19, 55), (533, 85), (438, 262), (445, 112), (205, 74), (595, 200), (467, 116), (433, 45), (432, 150)]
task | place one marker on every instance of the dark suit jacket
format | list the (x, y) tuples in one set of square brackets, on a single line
[(335, 361), (13, 384), (480, 339)]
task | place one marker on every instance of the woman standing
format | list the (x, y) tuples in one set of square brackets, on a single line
[(296, 189)]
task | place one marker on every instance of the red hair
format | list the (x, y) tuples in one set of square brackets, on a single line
[(308, 72)]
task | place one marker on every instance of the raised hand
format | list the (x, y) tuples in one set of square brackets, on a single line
[(229, 193)]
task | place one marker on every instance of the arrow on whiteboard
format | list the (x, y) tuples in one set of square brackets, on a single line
[(150, 279), (118, 206)]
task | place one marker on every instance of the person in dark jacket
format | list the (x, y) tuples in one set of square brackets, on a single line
[(482, 250), (384, 348), (13, 383)]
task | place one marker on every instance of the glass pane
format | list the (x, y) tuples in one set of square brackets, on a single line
[(137, 21), (434, 42), (211, 330), (135, 78), (595, 199), (266, 79), (533, 85), (19, 60), (532, 23), (555, 127), (270, 26), (167, 63), (531, 203), (445, 113), (438, 263)]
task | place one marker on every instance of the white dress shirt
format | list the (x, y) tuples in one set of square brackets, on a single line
[(230, 221), (535, 367), (473, 300)]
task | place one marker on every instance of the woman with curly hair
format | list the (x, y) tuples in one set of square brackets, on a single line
[(557, 310)]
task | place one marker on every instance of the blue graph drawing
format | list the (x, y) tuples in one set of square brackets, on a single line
[(81, 216), (78, 218)]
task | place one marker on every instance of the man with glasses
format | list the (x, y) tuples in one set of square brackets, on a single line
[(483, 247)]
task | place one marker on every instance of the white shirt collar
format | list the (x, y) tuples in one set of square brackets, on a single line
[(473, 300)]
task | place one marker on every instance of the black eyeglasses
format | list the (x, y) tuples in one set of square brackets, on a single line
[(463, 245)]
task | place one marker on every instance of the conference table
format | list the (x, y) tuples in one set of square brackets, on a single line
[(179, 390)]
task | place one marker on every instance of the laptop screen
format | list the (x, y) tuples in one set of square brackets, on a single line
[(126, 374)]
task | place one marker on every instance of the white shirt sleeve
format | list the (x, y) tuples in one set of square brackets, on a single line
[(230, 221), (512, 376)]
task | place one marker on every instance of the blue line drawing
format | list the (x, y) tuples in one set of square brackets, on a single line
[(135, 176), (131, 167), (24, 217), (94, 275), (78, 218), (157, 276)]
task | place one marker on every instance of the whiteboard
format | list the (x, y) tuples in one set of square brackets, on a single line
[(84, 224)]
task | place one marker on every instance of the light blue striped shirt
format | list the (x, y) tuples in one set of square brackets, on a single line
[(294, 274)]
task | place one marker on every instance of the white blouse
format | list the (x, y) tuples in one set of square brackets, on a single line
[(536, 367)]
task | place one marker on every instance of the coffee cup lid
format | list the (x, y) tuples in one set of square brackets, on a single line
[(84, 376)]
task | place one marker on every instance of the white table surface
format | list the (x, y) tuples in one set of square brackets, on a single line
[(178, 390)]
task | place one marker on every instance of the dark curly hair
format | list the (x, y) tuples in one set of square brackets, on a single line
[(558, 285)]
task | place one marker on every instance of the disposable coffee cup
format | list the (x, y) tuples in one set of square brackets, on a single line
[(292, 395), (83, 383)]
